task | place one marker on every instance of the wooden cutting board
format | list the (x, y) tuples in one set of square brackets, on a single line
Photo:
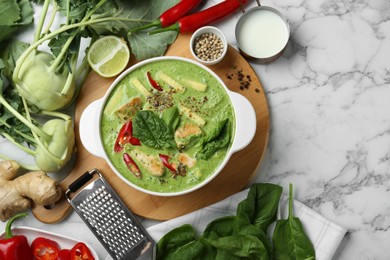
[(238, 76)]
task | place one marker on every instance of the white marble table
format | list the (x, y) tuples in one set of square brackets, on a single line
[(329, 102)]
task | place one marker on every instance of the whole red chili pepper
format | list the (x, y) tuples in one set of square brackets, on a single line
[(125, 136), (81, 252), (14, 247), (171, 15), (45, 249), (153, 82), (131, 165), (165, 160), (194, 21)]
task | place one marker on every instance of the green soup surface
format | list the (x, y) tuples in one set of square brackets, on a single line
[(167, 126)]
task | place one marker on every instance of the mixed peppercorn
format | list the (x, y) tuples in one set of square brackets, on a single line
[(245, 80)]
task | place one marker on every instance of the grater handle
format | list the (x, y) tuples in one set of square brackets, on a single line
[(77, 184)]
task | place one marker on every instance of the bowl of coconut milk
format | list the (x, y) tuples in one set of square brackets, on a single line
[(262, 33)]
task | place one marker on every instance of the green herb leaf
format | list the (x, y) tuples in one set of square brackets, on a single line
[(260, 207), (193, 250), (246, 246), (171, 117), (218, 138), (152, 130), (221, 227), (175, 239), (258, 211), (289, 239)]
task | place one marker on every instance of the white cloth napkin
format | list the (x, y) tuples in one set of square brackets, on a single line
[(324, 234)]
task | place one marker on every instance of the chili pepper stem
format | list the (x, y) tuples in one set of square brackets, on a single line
[(156, 23), (8, 231), (173, 27)]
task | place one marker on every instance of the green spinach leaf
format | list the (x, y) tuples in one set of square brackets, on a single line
[(243, 246), (152, 130), (260, 207), (258, 211), (242, 236), (175, 239), (193, 250), (171, 117), (218, 138), (221, 227), (289, 239)]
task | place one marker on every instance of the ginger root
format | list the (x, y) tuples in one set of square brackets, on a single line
[(16, 194)]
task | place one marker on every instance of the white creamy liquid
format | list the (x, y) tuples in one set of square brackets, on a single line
[(262, 33)]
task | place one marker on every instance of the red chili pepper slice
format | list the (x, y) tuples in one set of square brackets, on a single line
[(131, 165), (171, 15), (134, 141), (64, 254), (152, 82), (165, 160), (45, 249), (81, 252), (194, 21), (126, 136)]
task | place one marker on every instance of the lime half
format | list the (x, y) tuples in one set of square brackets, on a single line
[(108, 56)]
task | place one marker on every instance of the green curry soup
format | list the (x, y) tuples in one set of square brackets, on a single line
[(170, 136)]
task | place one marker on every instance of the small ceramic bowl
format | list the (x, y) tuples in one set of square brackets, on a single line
[(213, 30)]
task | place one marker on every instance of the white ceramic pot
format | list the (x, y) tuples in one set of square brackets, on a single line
[(245, 125)]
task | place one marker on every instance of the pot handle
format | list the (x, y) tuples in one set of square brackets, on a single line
[(89, 128), (245, 122)]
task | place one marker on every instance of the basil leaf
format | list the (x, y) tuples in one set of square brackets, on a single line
[(152, 130), (289, 239)]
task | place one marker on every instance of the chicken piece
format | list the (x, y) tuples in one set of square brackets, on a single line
[(150, 162), (128, 110), (186, 160), (186, 134)]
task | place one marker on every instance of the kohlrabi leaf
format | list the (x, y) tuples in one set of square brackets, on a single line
[(145, 46), (13, 15), (9, 12), (132, 14), (10, 52)]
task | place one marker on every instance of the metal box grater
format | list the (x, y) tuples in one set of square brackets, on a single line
[(109, 219)]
